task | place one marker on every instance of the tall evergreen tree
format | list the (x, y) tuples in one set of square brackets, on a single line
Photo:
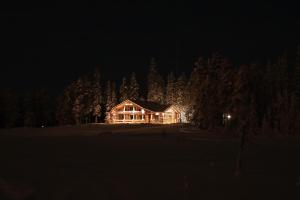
[(155, 84), (170, 89), (180, 97), (111, 98), (210, 85), (77, 109), (96, 96), (193, 88), (123, 90), (108, 94), (133, 92), (114, 99), (88, 100), (180, 87)]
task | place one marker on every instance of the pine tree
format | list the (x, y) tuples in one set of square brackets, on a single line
[(241, 99), (123, 90), (180, 86), (111, 98), (133, 92), (108, 93), (210, 88), (77, 108), (96, 96), (87, 101), (193, 90), (114, 99), (170, 90), (155, 84), (180, 100)]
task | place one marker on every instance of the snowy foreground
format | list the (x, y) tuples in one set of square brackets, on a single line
[(143, 162)]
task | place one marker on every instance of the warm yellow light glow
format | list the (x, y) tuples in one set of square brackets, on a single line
[(156, 113), (228, 116), (143, 111)]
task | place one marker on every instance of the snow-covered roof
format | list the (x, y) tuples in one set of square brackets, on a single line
[(153, 106)]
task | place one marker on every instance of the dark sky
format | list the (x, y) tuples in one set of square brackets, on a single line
[(48, 45)]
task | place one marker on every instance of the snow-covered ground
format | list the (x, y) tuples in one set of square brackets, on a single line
[(92, 129), (102, 161)]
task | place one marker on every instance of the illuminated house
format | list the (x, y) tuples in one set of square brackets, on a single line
[(135, 111)]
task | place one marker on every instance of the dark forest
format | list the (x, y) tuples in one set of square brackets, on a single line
[(260, 98)]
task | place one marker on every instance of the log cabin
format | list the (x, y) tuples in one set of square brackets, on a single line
[(136, 111)]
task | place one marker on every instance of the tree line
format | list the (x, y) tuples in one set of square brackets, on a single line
[(259, 98)]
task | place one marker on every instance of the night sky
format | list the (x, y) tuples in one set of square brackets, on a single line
[(49, 45)]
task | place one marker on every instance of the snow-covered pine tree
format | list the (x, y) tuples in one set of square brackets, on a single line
[(111, 98), (123, 92), (180, 100), (224, 83), (193, 89), (108, 99), (170, 89), (241, 97), (155, 84), (114, 99), (180, 86), (96, 96), (133, 92), (87, 101), (209, 87), (108, 93), (78, 106)]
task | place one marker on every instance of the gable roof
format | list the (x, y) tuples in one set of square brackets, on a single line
[(149, 105)]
